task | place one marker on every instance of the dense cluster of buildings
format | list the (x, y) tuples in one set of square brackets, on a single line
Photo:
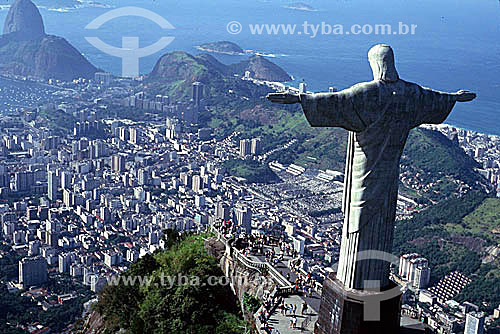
[(484, 148), (435, 306), (88, 204), (185, 111), (414, 269)]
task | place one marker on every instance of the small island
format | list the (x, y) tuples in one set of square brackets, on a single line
[(300, 6), (223, 47)]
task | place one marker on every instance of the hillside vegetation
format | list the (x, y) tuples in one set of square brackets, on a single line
[(452, 236), (252, 171), (193, 306), (175, 72), (483, 222)]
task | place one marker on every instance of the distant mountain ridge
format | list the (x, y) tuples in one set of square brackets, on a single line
[(175, 72), (26, 50), (182, 65)]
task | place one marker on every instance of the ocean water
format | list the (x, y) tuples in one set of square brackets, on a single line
[(456, 44)]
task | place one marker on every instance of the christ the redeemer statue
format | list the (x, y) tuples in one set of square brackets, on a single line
[(379, 116)]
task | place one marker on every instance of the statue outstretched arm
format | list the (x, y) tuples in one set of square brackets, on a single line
[(284, 98), (464, 95), (433, 107), (339, 109)]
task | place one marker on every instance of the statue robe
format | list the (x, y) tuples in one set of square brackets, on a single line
[(378, 116)]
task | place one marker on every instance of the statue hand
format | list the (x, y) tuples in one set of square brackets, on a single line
[(465, 96), (283, 98)]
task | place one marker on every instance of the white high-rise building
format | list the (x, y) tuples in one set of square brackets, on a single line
[(103, 78), (53, 226), (66, 180), (302, 88), (197, 183), (404, 264), (199, 201), (64, 263), (118, 163), (34, 248), (414, 264), (299, 244), (245, 147), (422, 276), (222, 211), (52, 185), (135, 136), (68, 198), (474, 323), (132, 255), (140, 194), (197, 92), (256, 146), (243, 217), (143, 177), (111, 259)]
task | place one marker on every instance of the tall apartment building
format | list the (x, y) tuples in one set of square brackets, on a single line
[(474, 323), (197, 93), (135, 136), (53, 183), (32, 271), (245, 147), (404, 264), (243, 218), (118, 163), (256, 146)]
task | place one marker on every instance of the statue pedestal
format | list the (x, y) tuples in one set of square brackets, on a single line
[(358, 311)]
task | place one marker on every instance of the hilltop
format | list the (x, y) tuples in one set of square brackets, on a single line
[(26, 50), (174, 73), (262, 69), (180, 65), (259, 67), (51, 3)]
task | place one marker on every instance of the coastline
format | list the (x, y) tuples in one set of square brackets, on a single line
[(448, 125)]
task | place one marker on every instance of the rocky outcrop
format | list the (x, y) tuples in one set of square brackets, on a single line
[(25, 19), (180, 65), (244, 280), (26, 50), (263, 69)]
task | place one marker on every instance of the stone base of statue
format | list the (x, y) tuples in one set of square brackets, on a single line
[(357, 311)]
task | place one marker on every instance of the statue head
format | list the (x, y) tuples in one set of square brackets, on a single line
[(381, 60)]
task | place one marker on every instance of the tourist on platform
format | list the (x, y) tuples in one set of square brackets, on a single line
[(304, 308)]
